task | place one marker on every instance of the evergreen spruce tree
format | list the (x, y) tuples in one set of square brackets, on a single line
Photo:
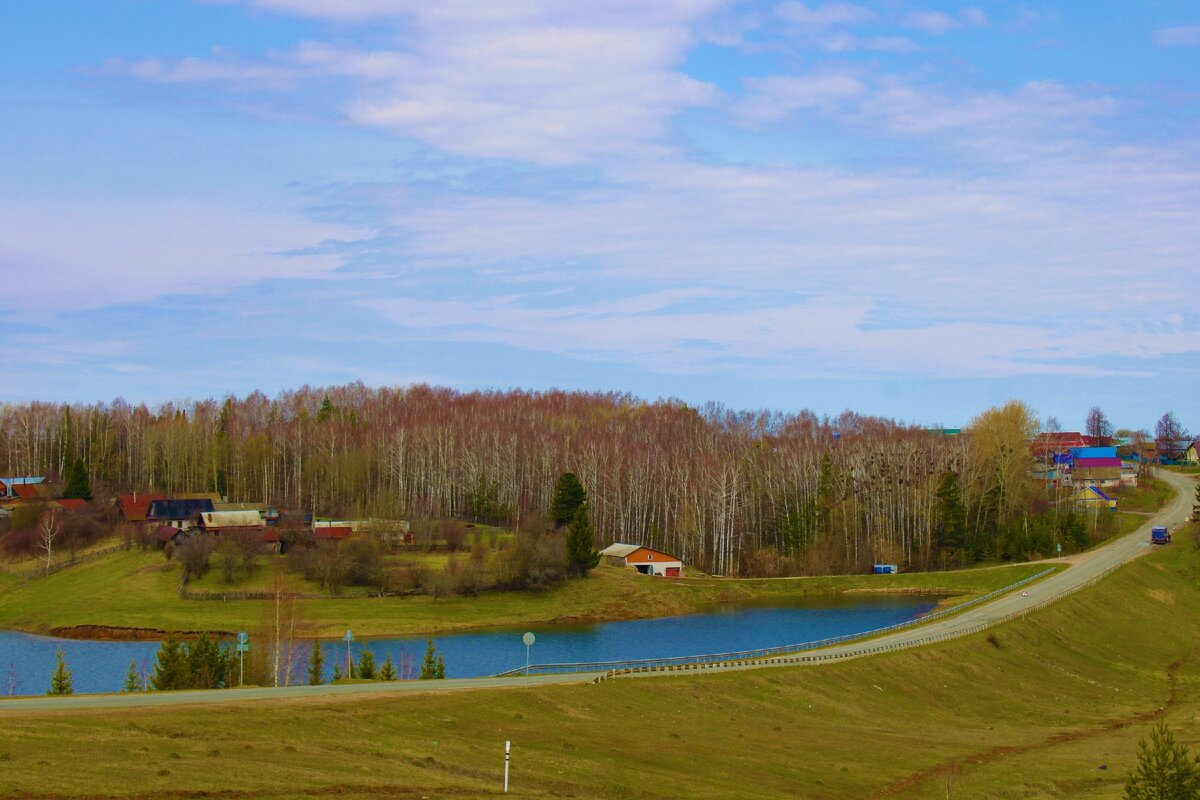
[(337, 673), (1196, 505), (133, 679), (432, 666), (316, 665), (950, 523), (326, 410), (388, 671), (581, 544), (78, 486), (206, 664), (366, 665), (1164, 771), (60, 680), (569, 495), (171, 667)]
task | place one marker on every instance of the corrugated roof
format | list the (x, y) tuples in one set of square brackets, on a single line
[(1097, 462), (619, 550), (239, 506), (135, 507), (231, 519), (72, 503), (31, 491), (1093, 452), (19, 480), (178, 509), (334, 532)]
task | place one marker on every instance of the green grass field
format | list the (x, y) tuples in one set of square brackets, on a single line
[(136, 590), (1048, 707), (1149, 495)]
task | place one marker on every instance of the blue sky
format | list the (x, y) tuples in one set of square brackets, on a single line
[(903, 208)]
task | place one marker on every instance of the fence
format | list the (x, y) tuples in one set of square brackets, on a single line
[(187, 594), (646, 664), (883, 648), (39, 572)]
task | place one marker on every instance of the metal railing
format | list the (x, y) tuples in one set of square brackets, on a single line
[(883, 648), (676, 662)]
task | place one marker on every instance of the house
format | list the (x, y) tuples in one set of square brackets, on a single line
[(1091, 496), (1094, 466), (259, 507), (644, 559), (167, 533), (1192, 454), (1048, 445), (333, 533), (213, 496), (72, 505), (32, 492), (181, 514), (231, 521), (8, 485), (135, 507)]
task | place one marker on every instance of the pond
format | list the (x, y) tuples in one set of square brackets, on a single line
[(26, 661)]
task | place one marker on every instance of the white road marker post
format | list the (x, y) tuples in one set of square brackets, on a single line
[(507, 750)]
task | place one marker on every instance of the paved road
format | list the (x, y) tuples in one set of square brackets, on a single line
[(1084, 567), (209, 696)]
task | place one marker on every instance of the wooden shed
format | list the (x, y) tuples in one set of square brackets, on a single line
[(645, 560)]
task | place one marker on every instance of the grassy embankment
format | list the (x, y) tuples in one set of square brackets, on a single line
[(1047, 707), (136, 590), (1148, 496)]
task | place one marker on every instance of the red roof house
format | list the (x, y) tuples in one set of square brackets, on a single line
[(1045, 444), (333, 533), (135, 507), (72, 504)]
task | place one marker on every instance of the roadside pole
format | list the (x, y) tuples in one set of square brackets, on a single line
[(507, 750), (349, 637), (243, 644), (528, 639)]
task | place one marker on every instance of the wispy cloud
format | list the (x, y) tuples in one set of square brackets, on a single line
[(935, 22), (1178, 37), (536, 81), (825, 15)]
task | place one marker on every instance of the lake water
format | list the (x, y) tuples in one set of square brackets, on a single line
[(26, 661)]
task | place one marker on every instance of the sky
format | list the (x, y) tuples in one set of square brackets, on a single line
[(912, 209)]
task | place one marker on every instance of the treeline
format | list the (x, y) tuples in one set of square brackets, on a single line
[(731, 492)]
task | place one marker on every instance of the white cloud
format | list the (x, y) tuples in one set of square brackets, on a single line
[(223, 67), (546, 82), (934, 22), (826, 14), (94, 253), (891, 44), (974, 16), (1176, 37), (776, 97)]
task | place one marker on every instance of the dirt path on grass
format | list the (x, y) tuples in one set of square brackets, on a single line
[(993, 754)]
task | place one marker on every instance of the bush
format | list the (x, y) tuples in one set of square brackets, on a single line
[(195, 554), (364, 561), (464, 576), (454, 534), (533, 562)]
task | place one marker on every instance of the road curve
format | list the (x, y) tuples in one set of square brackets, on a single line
[(1084, 568)]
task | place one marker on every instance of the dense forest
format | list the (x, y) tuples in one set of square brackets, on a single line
[(729, 491)]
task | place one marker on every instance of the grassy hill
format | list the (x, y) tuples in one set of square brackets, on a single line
[(130, 591), (1048, 707)]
